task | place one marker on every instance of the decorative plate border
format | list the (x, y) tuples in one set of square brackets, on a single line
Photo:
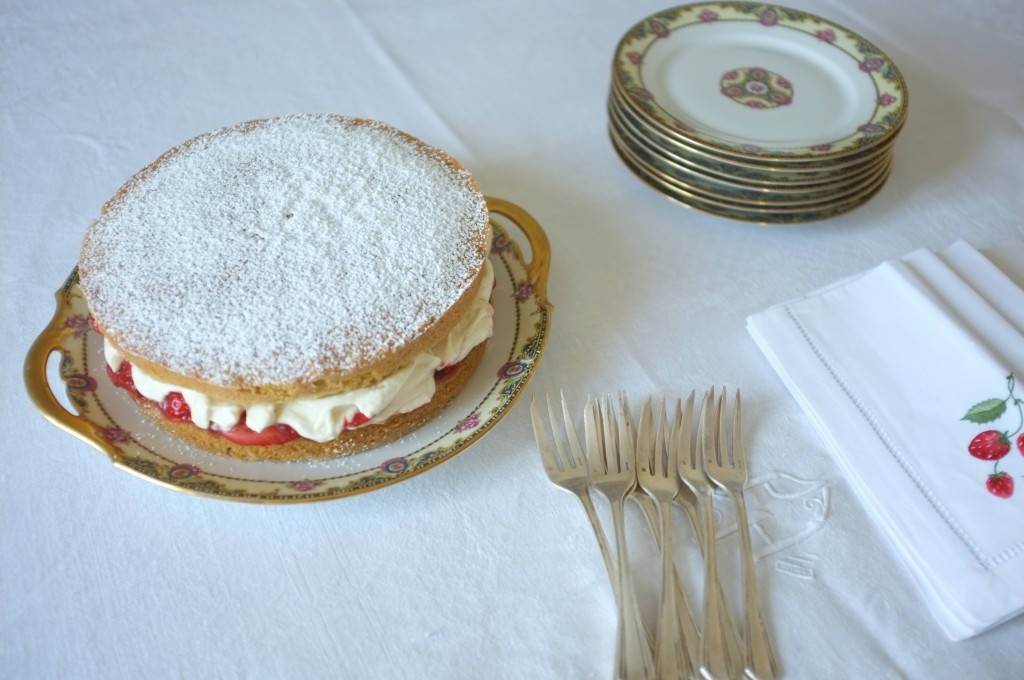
[(117, 430), (891, 103), (765, 217)]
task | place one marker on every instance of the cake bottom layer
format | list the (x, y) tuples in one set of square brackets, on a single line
[(448, 385)]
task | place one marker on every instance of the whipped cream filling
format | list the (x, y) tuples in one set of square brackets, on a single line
[(323, 418)]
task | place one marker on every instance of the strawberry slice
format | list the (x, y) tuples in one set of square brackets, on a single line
[(176, 408), (242, 435), (122, 378), (358, 419)]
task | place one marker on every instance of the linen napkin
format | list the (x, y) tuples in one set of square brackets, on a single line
[(913, 373)]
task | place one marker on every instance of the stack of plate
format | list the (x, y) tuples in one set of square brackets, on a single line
[(755, 112)]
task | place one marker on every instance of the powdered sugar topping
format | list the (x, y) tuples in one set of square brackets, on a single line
[(270, 253)]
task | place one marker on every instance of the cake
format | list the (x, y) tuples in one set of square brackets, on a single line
[(292, 288)]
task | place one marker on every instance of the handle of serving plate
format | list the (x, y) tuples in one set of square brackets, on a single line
[(538, 266), (37, 383)]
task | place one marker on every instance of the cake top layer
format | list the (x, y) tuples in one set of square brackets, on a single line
[(281, 250)]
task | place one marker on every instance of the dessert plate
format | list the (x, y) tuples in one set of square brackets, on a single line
[(760, 82), (108, 418)]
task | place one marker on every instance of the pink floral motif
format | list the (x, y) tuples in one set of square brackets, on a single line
[(78, 323), (524, 291), (821, 147), (769, 17), (828, 35), (81, 382), (395, 465), (305, 485), (708, 16), (468, 423), (114, 434), (886, 100), (183, 471), (635, 57), (660, 29), (754, 104), (642, 93), (871, 64)]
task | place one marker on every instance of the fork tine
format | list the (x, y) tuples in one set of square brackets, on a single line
[(644, 451), (626, 452), (663, 462), (610, 431), (739, 454), (561, 458), (575, 457), (540, 432), (592, 427), (719, 426)]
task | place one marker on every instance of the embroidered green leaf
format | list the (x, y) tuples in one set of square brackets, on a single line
[(986, 411)]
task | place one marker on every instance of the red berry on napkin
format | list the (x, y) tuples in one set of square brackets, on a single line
[(1000, 484), (1020, 443), (989, 445)]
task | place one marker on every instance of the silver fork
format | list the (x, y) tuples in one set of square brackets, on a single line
[(714, 662), (567, 468), (611, 456), (680, 447), (728, 469), (656, 473)]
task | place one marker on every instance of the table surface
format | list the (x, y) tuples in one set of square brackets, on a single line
[(479, 567)]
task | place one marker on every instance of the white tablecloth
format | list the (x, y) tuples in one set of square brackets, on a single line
[(479, 568)]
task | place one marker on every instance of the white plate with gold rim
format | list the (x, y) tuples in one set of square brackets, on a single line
[(760, 81), (107, 418)]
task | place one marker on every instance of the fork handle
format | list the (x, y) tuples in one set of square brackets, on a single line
[(672, 659), (713, 662), (602, 542), (632, 654), (760, 663)]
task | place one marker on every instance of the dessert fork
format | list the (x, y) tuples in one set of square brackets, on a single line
[(727, 467), (656, 473), (713, 661), (611, 456), (567, 468)]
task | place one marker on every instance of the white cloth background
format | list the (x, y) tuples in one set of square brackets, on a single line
[(479, 568)]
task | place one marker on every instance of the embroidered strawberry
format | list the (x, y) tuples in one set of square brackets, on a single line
[(989, 445), (1020, 443), (1000, 484)]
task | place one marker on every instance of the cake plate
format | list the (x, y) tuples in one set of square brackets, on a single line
[(107, 418)]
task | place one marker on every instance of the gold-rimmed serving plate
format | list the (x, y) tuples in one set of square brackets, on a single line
[(108, 419)]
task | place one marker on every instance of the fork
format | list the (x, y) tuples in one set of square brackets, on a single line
[(728, 469), (713, 661), (611, 456), (656, 473), (567, 468), (688, 501)]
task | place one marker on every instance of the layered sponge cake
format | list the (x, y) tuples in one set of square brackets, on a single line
[(298, 287)]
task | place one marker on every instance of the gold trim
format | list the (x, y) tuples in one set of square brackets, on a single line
[(823, 165), (674, 19), (631, 133), (527, 343), (840, 195)]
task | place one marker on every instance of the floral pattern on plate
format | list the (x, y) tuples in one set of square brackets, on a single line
[(109, 420), (813, 39)]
